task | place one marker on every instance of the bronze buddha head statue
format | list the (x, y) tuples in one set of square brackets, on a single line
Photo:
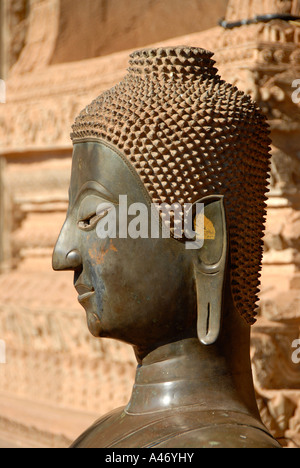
[(172, 132)]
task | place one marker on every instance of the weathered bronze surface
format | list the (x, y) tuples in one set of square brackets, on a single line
[(182, 310)]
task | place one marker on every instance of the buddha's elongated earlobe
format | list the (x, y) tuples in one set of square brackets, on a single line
[(210, 269)]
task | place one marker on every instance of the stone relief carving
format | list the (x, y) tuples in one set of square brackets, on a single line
[(18, 25)]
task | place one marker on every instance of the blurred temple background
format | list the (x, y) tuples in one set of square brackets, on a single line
[(55, 57)]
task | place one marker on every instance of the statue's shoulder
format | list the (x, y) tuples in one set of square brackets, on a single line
[(180, 429), (216, 429), (223, 436)]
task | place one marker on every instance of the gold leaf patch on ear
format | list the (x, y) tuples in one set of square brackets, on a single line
[(204, 225)]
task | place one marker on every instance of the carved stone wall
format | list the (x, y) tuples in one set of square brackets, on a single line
[(42, 32), (6, 220), (14, 22), (106, 26), (243, 9)]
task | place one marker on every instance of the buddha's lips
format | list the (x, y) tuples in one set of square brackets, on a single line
[(84, 297), (84, 292)]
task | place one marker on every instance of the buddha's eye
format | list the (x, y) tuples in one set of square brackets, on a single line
[(91, 221), (91, 211)]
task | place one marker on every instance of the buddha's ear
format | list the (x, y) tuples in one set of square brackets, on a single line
[(211, 267)]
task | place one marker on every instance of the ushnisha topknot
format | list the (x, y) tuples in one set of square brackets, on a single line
[(179, 60), (189, 134)]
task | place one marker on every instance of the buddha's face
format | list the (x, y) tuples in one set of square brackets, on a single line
[(140, 291)]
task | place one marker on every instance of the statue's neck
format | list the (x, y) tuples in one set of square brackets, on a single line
[(185, 373)]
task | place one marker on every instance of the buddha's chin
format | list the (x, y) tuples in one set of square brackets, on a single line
[(93, 323)]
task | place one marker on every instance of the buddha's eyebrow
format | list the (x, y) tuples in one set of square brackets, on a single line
[(95, 186)]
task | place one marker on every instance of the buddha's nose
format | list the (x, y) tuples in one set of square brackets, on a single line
[(66, 255)]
